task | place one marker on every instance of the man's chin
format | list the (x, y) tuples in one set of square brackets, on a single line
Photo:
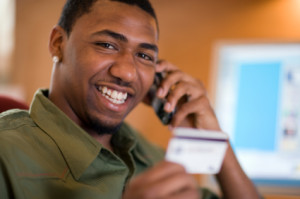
[(104, 128)]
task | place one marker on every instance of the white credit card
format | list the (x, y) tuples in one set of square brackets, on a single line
[(199, 151)]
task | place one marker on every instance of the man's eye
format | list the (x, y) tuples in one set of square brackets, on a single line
[(145, 56), (105, 45)]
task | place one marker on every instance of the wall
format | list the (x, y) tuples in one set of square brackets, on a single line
[(32, 63)]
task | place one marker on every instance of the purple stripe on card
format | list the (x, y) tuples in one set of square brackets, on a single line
[(205, 139)]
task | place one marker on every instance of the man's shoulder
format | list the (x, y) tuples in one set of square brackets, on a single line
[(15, 118), (14, 122)]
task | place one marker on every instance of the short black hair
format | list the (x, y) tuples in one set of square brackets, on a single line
[(74, 9)]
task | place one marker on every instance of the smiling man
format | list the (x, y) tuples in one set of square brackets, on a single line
[(106, 65), (72, 143)]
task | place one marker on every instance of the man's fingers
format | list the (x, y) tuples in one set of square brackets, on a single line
[(204, 117), (194, 112), (171, 186), (183, 89), (165, 180)]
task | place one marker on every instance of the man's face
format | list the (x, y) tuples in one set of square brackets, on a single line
[(108, 63)]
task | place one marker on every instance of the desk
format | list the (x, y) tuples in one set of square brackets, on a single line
[(267, 192), (280, 197)]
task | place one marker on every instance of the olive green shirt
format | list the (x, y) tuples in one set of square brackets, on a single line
[(44, 154)]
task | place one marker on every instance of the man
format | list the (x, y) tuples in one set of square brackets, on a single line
[(73, 143)]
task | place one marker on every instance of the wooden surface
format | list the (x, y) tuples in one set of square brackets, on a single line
[(281, 197)]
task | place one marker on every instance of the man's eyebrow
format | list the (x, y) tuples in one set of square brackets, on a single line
[(112, 34), (149, 46), (121, 37)]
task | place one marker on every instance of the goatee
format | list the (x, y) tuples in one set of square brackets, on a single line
[(102, 128)]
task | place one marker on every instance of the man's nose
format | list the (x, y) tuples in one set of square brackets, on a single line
[(124, 68)]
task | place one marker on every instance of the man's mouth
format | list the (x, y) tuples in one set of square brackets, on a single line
[(113, 96)]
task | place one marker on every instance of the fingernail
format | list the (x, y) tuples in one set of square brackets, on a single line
[(160, 92), (168, 107)]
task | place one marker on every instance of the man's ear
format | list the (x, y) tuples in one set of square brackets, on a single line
[(57, 40)]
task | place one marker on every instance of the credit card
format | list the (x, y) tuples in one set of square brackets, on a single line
[(199, 151)]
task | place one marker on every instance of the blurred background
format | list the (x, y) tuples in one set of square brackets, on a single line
[(190, 32)]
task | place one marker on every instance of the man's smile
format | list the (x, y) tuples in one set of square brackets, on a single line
[(114, 96)]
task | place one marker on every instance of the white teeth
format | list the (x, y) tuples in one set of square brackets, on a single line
[(104, 90), (120, 96), (114, 96)]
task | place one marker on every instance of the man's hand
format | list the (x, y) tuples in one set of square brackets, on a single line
[(165, 181), (189, 95)]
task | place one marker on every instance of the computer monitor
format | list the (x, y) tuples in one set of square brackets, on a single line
[(257, 101)]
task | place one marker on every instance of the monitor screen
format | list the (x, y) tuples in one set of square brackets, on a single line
[(257, 101)]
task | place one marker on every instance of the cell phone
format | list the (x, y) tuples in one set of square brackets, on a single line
[(158, 103)]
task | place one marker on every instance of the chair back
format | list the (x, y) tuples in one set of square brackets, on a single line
[(7, 103)]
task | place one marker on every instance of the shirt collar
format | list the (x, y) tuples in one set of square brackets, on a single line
[(128, 140), (67, 135)]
